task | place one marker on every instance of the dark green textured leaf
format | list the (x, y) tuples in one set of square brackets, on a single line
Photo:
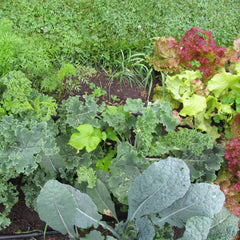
[(202, 199), (224, 226), (197, 228), (160, 185)]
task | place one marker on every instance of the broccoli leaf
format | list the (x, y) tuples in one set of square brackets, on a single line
[(101, 197), (57, 207)]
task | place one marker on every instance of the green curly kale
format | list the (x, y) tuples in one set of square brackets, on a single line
[(202, 156), (22, 144), (18, 97)]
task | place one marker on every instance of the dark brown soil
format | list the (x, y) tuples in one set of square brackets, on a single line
[(26, 220), (119, 90)]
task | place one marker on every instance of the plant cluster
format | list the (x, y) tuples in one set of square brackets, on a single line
[(122, 152), (196, 51), (207, 93), (211, 97), (228, 177), (102, 151), (77, 160)]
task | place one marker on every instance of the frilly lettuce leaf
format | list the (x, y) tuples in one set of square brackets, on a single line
[(180, 85), (194, 105), (221, 82)]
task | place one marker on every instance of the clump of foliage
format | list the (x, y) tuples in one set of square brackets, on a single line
[(229, 177), (210, 98), (124, 140), (151, 206), (19, 98), (22, 53), (26, 133), (196, 51)]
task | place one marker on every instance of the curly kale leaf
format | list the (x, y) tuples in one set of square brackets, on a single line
[(18, 97), (75, 112), (202, 156), (23, 142), (203, 168), (8, 197)]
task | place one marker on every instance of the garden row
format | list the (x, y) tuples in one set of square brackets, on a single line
[(77, 166), (172, 162)]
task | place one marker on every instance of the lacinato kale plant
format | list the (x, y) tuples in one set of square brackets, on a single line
[(162, 194)]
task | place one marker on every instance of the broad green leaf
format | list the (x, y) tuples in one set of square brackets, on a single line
[(237, 68), (224, 226), (202, 199), (87, 136), (221, 82), (86, 211), (145, 228), (180, 85), (197, 228), (51, 164), (193, 105), (160, 185), (57, 207), (101, 197), (94, 235), (205, 125)]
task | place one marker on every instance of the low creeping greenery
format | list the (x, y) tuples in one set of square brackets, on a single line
[(96, 32)]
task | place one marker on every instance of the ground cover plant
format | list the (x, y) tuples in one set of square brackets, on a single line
[(128, 161)]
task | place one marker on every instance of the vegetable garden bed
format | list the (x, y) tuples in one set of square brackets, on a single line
[(148, 148)]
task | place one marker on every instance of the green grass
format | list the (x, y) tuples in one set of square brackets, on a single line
[(96, 32)]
